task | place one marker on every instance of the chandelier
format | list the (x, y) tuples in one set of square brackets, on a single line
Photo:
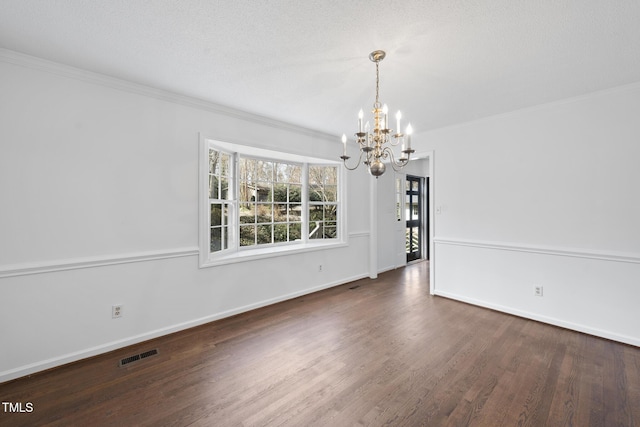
[(375, 145)]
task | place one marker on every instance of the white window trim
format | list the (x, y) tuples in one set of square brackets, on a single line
[(241, 254)]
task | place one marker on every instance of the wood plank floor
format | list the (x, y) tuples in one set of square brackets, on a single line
[(369, 353)]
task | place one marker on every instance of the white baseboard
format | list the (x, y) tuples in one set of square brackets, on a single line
[(114, 345), (544, 319)]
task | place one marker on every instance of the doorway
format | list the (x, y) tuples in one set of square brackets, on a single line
[(414, 211)]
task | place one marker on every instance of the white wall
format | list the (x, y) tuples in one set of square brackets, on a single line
[(99, 186), (417, 167), (386, 227), (546, 196), (391, 250)]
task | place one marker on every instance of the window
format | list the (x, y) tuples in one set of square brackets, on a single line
[(262, 202), (219, 205), (323, 202), (270, 201)]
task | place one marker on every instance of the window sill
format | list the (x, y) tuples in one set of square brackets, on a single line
[(261, 253)]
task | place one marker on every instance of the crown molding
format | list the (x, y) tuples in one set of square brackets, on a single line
[(28, 61)]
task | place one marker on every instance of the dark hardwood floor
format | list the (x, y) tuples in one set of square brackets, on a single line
[(369, 353)]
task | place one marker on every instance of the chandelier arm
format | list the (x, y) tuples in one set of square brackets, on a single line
[(363, 142), (396, 140), (371, 155), (397, 165), (344, 160)]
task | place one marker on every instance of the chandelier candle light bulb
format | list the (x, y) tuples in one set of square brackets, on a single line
[(376, 145), (367, 128), (385, 111)]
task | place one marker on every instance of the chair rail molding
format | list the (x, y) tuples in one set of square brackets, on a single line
[(89, 262), (545, 250)]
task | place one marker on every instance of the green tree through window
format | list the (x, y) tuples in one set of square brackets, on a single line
[(323, 202), (256, 202), (218, 200), (270, 201)]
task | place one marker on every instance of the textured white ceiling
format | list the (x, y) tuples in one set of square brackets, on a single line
[(307, 62)]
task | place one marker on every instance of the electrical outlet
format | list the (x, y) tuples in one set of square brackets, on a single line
[(116, 311), (537, 290), (319, 267)]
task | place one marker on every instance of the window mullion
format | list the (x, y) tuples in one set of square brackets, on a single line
[(234, 228), (305, 203)]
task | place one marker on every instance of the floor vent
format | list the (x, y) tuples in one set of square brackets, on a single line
[(137, 357), (355, 287)]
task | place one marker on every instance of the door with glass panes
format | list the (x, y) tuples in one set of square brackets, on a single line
[(413, 214)]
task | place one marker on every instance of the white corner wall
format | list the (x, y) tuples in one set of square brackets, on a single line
[(546, 196), (387, 229), (99, 185)]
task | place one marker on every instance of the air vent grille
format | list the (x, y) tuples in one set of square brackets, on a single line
[(137, 357)]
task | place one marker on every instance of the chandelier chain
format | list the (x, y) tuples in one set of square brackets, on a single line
[(377, 83)]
